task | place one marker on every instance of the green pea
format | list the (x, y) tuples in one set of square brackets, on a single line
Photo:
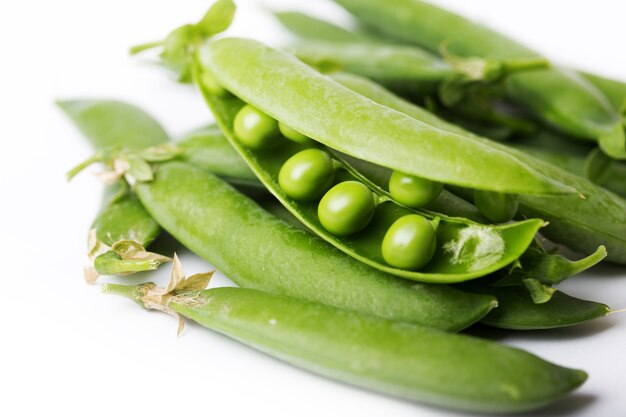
[(306, 175), (346, 208), (497, 207), (413, 191), (254, 128), (293, 134), (410, 242)]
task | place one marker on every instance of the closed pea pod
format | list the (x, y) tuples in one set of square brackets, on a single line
[(257, 250), (517, 311), (400, 359), (557, 96)]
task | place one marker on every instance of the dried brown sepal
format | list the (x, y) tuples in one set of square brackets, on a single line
[(159, 298)]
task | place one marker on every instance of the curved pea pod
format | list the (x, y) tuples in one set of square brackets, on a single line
[(122, 217), (207, 148), (257, 250), (517, 311), (573, 220), (112, 123), (312, 28), (554, 269), (404, 360), (318, 107), (399, 67), (122, 228), (613, 90), (575, 158), (557, 96), (466, 250)]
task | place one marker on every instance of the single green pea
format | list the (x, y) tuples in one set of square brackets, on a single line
[(293, 134), (254, 128), (410, 242), (307, 175), (497, 207), (413, 191), (346, 208)]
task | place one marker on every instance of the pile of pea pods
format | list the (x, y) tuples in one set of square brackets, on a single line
[(373, 190)]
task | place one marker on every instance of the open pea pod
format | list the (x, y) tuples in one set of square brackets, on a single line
[(320, 108), (466, 249)]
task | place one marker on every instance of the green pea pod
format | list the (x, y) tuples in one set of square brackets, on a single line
[(557, 96), (518, 312), (122, 217), (115, 124), (467, 250), (613, 90), (572, 219), (320, 108), (399, 67), (257, 250), (576, 158), (312, 28), (207, 148), (110, 124), (404, 360)]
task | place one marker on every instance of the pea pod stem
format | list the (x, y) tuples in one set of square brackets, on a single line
[(110, 124)]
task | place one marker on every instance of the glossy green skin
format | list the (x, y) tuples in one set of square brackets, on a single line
[(401, 68), (254, 128), (257, 250), (293, 134), (207, 148), (410, 242), (308, 27), (346, 208), (413, 191), (458, 258), (573, 220), (571, 156), (307, 175), (404, 360), (109, 123), (497, 207), (613, 90), (517, 311), (318, 107), (557, 96), (122, 217)]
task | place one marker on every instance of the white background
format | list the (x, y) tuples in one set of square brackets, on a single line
[(65, 348)]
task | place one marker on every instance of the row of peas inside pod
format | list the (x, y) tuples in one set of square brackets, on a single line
[(346, 206)]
